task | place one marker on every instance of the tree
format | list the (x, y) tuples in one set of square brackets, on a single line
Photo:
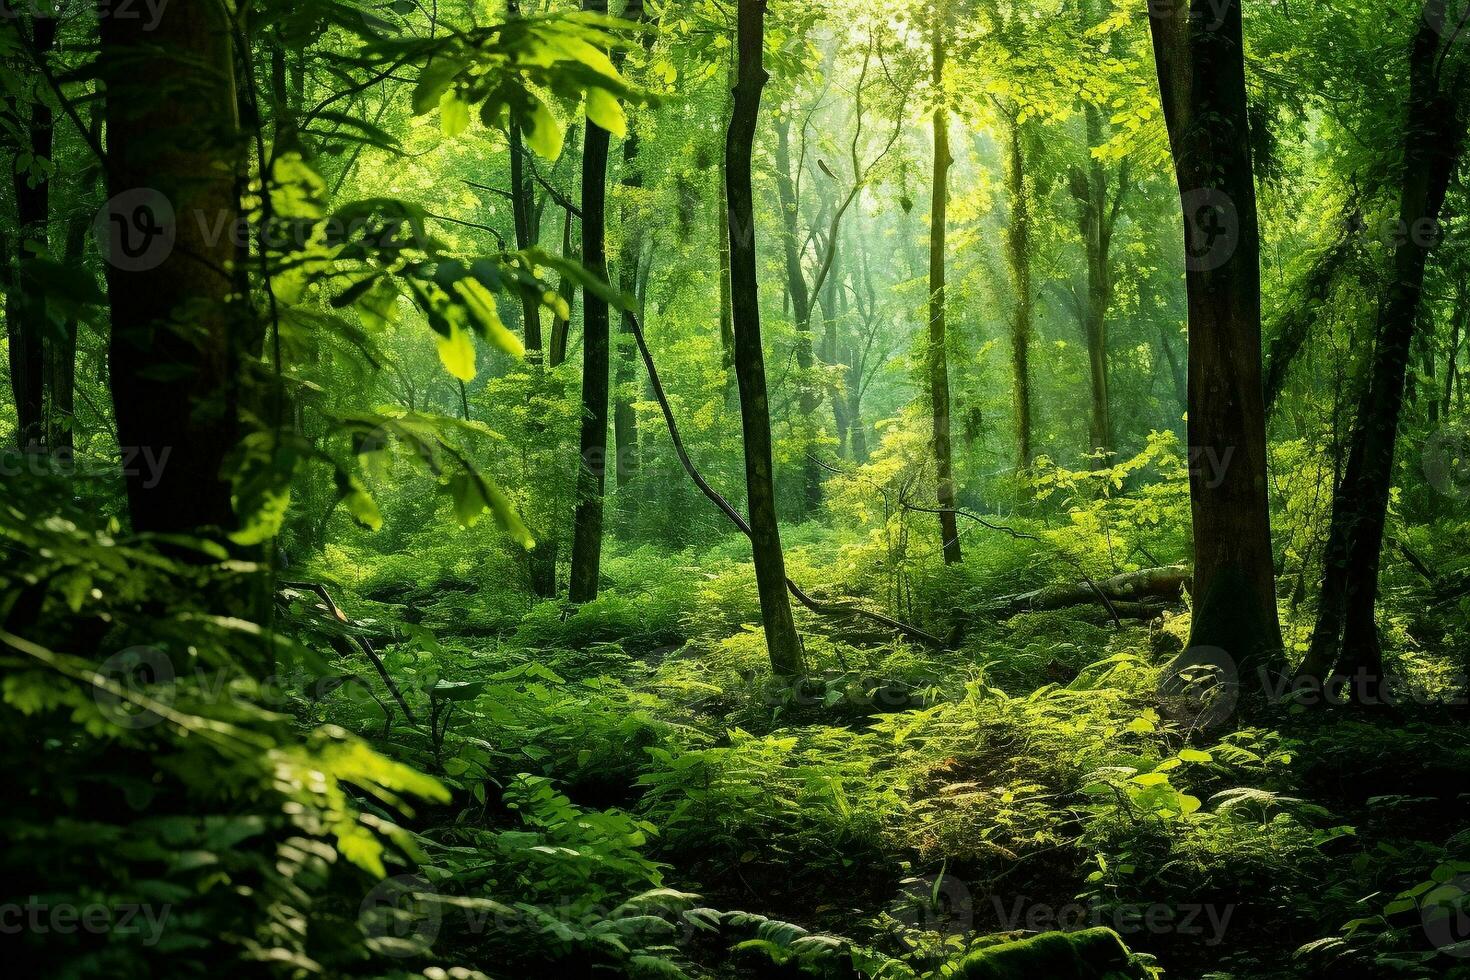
[(25, 306), (625, 418), (1018, 261), (938, 362), (178, 341), (750, 371), (1201, 69), (587, 530), (1345, 640), (1098, 206)]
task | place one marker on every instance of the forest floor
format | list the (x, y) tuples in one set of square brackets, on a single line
[(902, 803)]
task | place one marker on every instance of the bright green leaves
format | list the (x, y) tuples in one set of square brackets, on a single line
[(531, 71), (264, 465), (474, 495), (457, 352)]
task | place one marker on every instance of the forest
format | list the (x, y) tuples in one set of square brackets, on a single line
[(735, 489)]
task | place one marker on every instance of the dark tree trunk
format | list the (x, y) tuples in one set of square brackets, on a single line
[(175, 351), (949, 537), (1097, 213), (727, 325), (1201, 70), (1018, 256), (750, 369), (625, 419), (1433, 143), (587, 530), (26, 313), (561, 326)]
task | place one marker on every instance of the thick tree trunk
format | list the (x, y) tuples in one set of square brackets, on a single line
[(1018, 256), (770, 563), (1433, 143), (1201, 68), (949, 537), (587, 529), (174, 354)]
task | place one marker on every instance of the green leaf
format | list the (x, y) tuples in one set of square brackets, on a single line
[(454, 115), (604, 110), (436, 77), (457, 351)]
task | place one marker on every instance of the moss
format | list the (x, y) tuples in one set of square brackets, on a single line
[(1089, 954)]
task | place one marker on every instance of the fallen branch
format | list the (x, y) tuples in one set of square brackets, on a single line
[(1141, 593), (820, 608), (361, 642)]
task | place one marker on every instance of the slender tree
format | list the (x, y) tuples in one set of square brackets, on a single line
[(587, 529), (25, 307), (625, 419), (1201, 68), (1018, 260), (938, 361), (750, 369), (1346, 633)]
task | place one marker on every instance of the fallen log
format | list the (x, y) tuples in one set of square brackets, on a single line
[(1140, 594)]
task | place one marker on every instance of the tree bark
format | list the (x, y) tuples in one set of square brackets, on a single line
[(625, 419), (1097, 214), (1201, 67), (949, 538), (587, 529), (26, 314), (1433, 138), (175, 352), (770, 563), (1018, 256), (801, 305)]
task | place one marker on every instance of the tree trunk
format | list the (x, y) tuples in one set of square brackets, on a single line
[(561, 326), (750, 370), (1018, 256), (587, 530), (1433, 143), (1096, 216), (949, 538), (801, 306), (1201, 70), (625, 419), (173, 357), (26, 314)]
